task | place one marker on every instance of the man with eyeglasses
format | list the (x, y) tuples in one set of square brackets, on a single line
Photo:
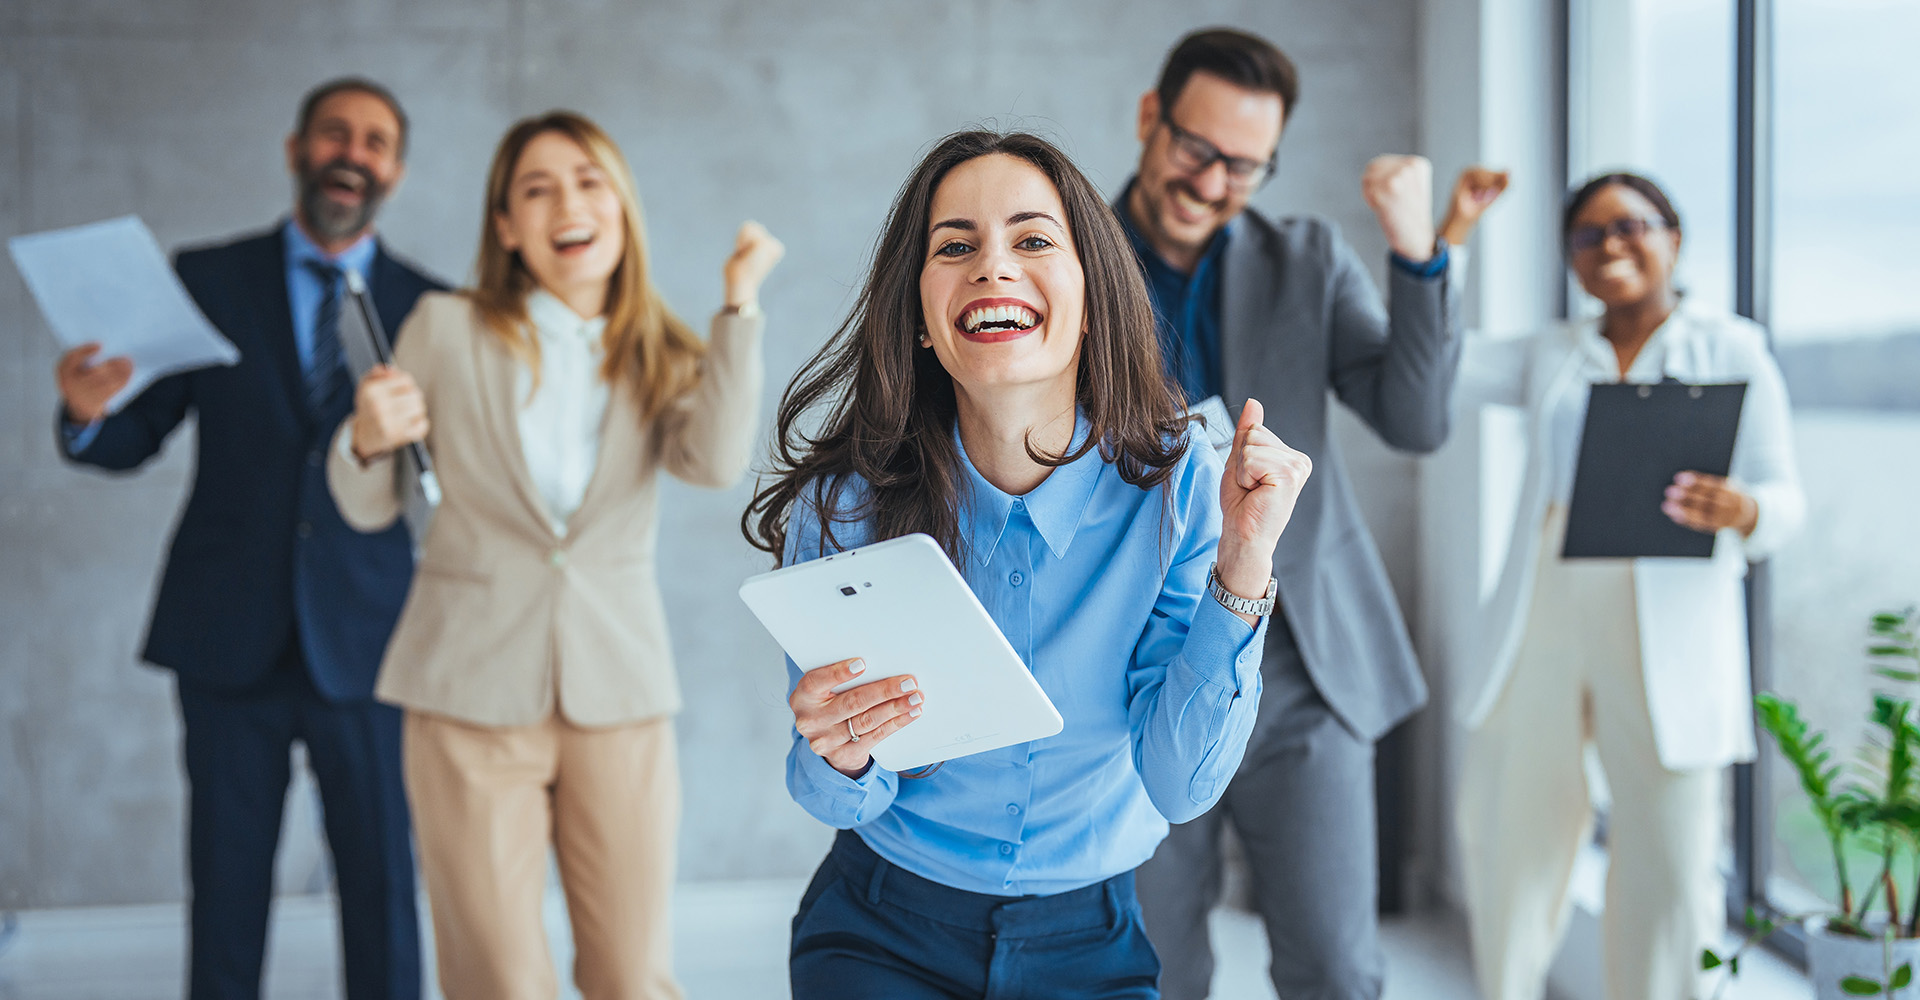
[(1284, 310)]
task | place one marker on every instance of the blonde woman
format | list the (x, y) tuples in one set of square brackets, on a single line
[(532, 657)]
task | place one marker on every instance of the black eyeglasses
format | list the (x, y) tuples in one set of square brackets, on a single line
[(1193, 154), (1581, 238)]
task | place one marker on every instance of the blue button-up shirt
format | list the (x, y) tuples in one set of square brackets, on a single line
[(1101, 587), (304, 291), (1186, 307)]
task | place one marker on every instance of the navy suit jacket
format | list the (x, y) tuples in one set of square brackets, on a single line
[(261, 556)]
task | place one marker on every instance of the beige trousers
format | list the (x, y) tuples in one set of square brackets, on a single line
[(487, 801), (1524, 810)]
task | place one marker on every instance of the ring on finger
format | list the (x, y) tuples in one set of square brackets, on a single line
[(852, 737)]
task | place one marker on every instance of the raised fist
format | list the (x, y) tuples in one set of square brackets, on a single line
[(1399, 189), (755, 251), (1474, 191)]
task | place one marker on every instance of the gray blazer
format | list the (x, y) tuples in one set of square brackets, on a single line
[(1299, 317)]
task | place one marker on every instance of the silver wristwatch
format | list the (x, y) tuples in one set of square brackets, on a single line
[(1233, 602)]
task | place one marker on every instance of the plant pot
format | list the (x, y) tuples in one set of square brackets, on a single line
[(1833, 957)]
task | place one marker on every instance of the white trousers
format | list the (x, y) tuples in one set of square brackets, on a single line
[(1524, 810)]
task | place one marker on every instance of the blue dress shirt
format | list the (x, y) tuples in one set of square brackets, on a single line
[(1101, 587), (304, 290), (1186, 310), (1186, 306)]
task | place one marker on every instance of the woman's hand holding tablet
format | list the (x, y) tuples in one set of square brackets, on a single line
[(844, 727)]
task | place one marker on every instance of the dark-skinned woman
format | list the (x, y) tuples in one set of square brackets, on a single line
[(1644, 659)]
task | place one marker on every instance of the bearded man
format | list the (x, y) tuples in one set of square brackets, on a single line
[(273, 613)]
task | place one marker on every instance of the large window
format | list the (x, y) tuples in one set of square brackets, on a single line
[(1845, 313)]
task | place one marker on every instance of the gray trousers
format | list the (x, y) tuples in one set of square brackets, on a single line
[(1302, 805)]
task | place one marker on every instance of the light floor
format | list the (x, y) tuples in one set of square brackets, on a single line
[(731, 945)]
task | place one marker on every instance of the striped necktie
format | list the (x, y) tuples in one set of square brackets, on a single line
[(327, 377)]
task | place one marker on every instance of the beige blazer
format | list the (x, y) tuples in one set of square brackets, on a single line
[(505, 615)]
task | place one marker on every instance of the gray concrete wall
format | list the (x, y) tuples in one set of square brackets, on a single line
[(805, 116)]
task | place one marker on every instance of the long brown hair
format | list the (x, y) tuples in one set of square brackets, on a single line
[(889, 408), (644, 342)]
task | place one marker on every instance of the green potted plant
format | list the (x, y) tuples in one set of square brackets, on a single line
[(1867, 945)]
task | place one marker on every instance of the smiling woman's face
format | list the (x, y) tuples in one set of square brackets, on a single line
[(563, 216), (1002, 292), (1621, 270)]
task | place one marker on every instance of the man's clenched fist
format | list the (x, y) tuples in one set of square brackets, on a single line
[(1399, 189)]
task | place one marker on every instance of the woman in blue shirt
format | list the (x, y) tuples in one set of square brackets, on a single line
[(998, 387)]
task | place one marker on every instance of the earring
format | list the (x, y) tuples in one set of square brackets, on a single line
[(926, 341)]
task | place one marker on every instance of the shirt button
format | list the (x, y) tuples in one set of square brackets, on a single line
[(1019, 504), (1016, 579), (557, 558), (1006, 849), (303, 529), (1013, 810)]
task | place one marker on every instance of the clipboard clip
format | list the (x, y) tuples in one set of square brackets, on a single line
[(1693, 391)]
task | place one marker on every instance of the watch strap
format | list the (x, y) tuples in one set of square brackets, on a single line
[(1259, 608)]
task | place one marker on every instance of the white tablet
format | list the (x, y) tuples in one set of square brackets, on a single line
[(902, 607)]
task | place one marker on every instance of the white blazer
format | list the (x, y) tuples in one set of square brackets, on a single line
[(1692, 612)]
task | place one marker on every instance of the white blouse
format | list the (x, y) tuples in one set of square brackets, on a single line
[(560, 418)]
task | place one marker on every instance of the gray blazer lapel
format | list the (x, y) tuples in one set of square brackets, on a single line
[(1250, 348)]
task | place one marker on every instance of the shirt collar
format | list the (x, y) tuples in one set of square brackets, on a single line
[(357, 258), (1652, 359), (556, 319), (1055, 506), (1151, 257)]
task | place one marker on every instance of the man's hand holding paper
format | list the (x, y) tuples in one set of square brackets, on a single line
[(106, 289), (87, 386)]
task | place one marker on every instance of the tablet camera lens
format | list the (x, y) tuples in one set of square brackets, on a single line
[(848, 590)]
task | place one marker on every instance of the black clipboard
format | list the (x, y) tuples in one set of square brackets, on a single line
[(1637, 437)]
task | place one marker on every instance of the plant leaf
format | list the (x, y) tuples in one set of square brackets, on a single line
[(1708, 960), (1857, 986), (1902, 976)]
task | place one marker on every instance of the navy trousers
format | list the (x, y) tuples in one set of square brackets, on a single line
[(238, 747), (869, 930)]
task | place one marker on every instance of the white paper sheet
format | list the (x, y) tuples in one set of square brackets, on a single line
[(110, 282), (1218, 422)]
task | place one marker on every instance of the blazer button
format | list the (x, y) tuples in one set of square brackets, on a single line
[(558, 558), (316, 459), (303, 529)]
